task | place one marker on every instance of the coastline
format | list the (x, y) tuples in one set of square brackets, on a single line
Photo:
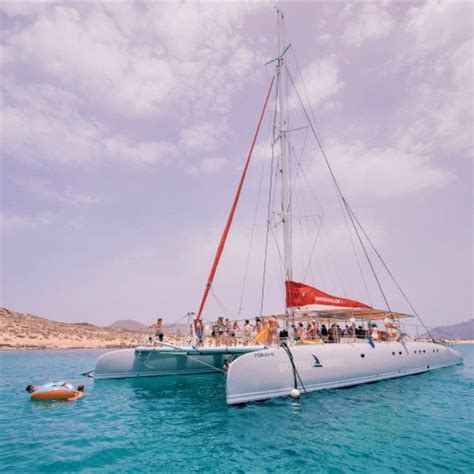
[(25, 347)]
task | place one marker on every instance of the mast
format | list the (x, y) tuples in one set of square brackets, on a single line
[(284, 163)]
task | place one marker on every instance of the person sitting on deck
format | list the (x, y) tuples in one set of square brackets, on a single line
[(391, 330), (300, 332), (333, 333), (374, 332)]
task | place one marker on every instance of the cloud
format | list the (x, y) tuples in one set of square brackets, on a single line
[(435, 24), (12, 223), (381, 172), (141, 60), (366, 20), (207, 166), (320, 80), (203, 136), (85, 84), (437, 61), (44, 189), (43, 123)]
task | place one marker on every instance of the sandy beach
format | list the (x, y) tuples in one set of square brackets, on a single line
[(22, 330)]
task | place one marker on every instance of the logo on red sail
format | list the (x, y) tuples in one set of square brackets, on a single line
[(299, 294)]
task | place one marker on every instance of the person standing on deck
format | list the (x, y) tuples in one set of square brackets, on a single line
[(200, 333), (273, 330), (248, 328), (158, 327), (234, 333)]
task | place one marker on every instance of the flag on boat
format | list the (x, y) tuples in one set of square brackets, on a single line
[(299, 294)]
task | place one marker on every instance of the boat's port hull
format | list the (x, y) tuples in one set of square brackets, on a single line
[(269, 373), (165, 361)]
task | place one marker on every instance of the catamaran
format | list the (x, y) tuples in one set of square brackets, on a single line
[(332, 357), (292, 369)]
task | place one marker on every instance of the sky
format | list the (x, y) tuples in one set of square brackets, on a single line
[(125, 126)]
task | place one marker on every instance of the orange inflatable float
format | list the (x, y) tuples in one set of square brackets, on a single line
[(54, 391)]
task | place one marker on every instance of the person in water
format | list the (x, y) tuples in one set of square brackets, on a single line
[(78, 393)]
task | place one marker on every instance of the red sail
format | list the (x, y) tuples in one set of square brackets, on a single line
[(299, 294)]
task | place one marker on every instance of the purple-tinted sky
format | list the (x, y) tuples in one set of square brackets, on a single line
[(125, 126)]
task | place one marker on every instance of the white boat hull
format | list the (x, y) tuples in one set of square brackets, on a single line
[(269, 373), (163, 361)]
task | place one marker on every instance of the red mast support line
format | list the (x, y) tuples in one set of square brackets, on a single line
[(220, 247)]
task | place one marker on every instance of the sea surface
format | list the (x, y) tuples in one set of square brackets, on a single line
[(422, 423)]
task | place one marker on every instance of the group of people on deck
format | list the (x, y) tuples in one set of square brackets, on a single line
[(267, 331), (225, 332)]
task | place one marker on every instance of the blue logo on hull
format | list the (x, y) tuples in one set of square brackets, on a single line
[(316, 362)]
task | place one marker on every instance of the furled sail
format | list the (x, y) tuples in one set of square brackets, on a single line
[(300, 294)]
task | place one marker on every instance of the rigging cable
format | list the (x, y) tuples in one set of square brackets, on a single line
[(296, 375), (354, 219), (336, 184), (293, 54), (222, 306), (254, 223), (382, 261)]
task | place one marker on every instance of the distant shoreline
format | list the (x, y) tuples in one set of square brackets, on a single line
[(6, 348)]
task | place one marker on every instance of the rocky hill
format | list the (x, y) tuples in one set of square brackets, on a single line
[(464, 330), (130, 324), (29, 331)]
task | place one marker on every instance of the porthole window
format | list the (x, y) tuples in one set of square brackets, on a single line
[(362, 355), (424, 351), (415, 352), (393, 353), (400, 353)]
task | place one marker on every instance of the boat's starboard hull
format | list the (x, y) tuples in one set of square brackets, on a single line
[(269, 373)]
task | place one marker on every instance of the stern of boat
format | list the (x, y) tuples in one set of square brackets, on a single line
[(115, 364)]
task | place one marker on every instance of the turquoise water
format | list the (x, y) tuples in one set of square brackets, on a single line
[(423, 423)]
